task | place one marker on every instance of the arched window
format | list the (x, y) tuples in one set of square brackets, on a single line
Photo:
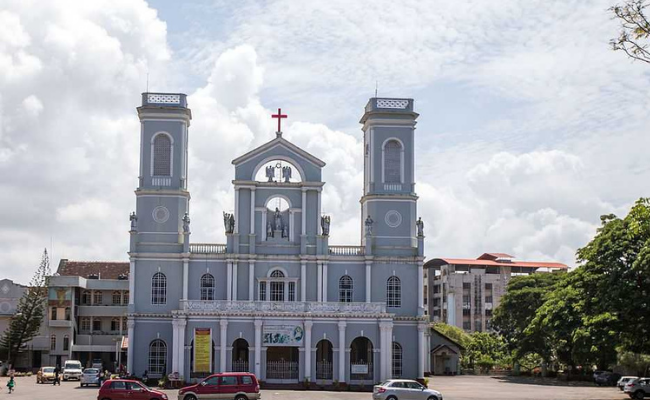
[(345, 289), (159, 288), (277, 287), (392, 162), (207, 287), (117, 297), (277, 274), (53, 342), (86, 298), (397, 360), (66, 343), (393, 292), (157, 357), (162, 155)]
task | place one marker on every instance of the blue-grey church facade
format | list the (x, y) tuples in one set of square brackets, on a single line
[(276, 299)]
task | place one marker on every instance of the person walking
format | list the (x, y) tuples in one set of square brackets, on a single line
[(11, 384), (56, 377)]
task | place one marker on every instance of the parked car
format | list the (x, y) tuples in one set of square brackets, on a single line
[(118, 389), (72, 370), (596, 373), (45, 374), (97, 363), (90, 376), (625, 379), (393, 389), (637, 388), (607, 379), (227, 385)]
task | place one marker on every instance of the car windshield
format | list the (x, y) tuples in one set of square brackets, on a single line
[(73, 365), (91, 371), (50, 369)]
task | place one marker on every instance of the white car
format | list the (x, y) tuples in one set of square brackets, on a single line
[(90, 376), (394, 389), (625, 379), (72, 370), (637, 388)]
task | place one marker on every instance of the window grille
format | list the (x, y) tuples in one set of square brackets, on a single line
[(115, 324), (392, 162), (277, 291), (85, 324), (117, 297), (53, 342), (159, 288), (162, 155), (97, 297), (262, 294), (125, 298), (85, 297), (393, 292), (397, 360), (292, 291), (207, 287), (346, 286), (157, 357), (66, 343)]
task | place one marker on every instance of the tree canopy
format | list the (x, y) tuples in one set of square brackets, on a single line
[(635, 29)]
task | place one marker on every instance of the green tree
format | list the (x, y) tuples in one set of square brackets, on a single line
[(26, 323), (524, 295), (454, 333), (485, 350), (635, 29)]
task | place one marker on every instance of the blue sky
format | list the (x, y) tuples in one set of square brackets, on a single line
[(530, 127)]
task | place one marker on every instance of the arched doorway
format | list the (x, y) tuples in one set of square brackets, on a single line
[(361, 360), (240, 355), (324, 360)]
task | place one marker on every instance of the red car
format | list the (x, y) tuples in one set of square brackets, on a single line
[(227, 385), (122, 389)]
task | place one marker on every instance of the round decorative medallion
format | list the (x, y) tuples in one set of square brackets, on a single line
[(160, 214), (393, 219), (5, 307)]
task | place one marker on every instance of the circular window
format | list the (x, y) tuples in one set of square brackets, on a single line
[(5, 307), (160, 214), (393, 219)]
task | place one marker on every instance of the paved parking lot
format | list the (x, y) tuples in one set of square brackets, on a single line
[(452, 388)]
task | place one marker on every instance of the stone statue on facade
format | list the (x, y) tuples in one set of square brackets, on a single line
[(186, 223), (277, 218), (325, 224), (229, 222), (369, 223), (269, 230), (286, 174), (420, 225), (270, 173), (134, 221), (284, 232)]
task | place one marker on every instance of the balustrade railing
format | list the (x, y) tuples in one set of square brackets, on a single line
[(288, 306), (240, 366), (281, 370), (207, 248), (163, 181), (324, 370), (347, 250), (393, 187)]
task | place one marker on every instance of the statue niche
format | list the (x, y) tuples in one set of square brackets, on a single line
[(277, 225)]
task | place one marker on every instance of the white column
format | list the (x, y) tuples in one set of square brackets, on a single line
[(263, 225), (389, 351), (308, 325), (252, 211), (342, 347), (229, 280), (131, 281), (236, 211), (318, 206), (222, 344), (258, 347), (186, 263), (325, 281), (368, 282), (174, 345), (421, 350), (304, 212), (181, 346), (251, 280), (130, 324), (382, 351), (303, 281), (291, 218), (234, 280), (320, 282), (420, 285)]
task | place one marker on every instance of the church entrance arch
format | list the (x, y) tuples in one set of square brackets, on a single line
[(324, 360), (361, 359), (240, 356), (282, 364)]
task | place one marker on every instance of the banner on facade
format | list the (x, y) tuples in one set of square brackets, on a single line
[(60, 297), (282, 335), (202, 350)]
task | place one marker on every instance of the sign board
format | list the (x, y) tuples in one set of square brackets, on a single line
[(359, 369), (202, 350), (282, 335)]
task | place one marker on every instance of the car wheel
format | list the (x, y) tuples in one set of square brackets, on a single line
[(432, 398), (639, 395), (189, 397), (391, 398), (241, 397)]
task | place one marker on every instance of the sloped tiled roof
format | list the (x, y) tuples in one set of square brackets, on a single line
[(105, 269), (494, 256), (491, 263)]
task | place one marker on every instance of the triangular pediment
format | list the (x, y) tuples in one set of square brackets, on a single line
[(279, 141)]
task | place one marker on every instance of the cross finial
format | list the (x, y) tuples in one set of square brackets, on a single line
[(279, 116)]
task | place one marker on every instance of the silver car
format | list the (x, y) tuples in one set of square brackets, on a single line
[(90, 376), (404, 389), (637, 388)]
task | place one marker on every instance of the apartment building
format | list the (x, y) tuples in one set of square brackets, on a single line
[(86, 318), (464, 292)]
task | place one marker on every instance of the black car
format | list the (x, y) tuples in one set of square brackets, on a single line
[(607, 378)]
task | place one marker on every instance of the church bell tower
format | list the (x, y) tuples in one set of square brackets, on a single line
[(389, 203)]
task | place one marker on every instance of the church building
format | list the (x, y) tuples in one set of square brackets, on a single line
[(277, 299)]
